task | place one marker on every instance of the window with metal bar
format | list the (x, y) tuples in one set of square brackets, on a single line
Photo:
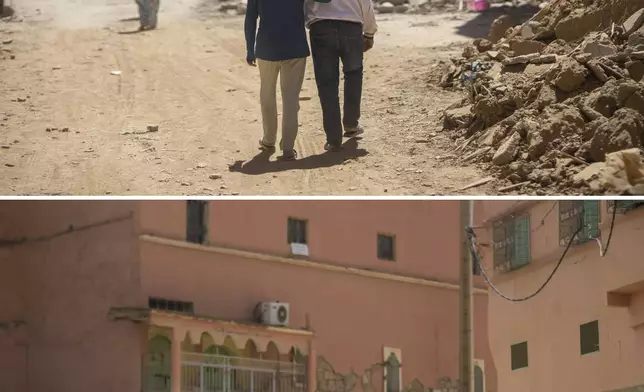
[(386, 249), (624, 206), (576, 214), (196, 228), (519, 355), (589, 337), (170, 305), (511, 243), (297, 231)]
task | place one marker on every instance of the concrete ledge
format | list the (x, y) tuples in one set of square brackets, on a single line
[(304, 263)]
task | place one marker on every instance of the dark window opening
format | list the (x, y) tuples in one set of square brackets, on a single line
[(296, 231), (170, 305), (512, 243), (197, 221), (589, 337), (575, 214), (519, 355), (386, 244)]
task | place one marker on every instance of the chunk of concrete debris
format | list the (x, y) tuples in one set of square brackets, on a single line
[(483, 45), (523, 47), (493, 54), (634, 22), (597, 70), (470, 51), (622, 131), (598, 45), (624, 172), (635, 70), (571, 77), (636, 41), (458, 117), (525, 59), (508, 150), (545, 59)]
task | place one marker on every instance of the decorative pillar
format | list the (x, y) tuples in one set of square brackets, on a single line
[(311, 368), (312, 360), (177, 337)]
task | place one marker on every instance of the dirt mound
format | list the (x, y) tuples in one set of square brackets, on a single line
[(553, 95)]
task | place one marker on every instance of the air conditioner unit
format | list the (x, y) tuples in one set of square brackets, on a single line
[(274, 313)]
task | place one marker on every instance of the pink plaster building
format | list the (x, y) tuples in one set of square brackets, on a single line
[(164, 296), (585, 330)]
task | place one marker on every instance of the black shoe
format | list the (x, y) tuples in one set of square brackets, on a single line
[(332, 147), (353, 132)]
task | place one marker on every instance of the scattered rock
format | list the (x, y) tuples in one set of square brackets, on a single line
[(571, 77), (623, 131), (524, 47), (508, 150), (458, 117), (634, 22)]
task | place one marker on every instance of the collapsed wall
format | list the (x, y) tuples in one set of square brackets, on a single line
[(552, 96)]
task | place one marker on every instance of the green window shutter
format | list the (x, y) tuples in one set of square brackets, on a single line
[(590, 220), (521, 241)]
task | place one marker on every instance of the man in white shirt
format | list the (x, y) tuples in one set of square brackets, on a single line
[(340, 30)]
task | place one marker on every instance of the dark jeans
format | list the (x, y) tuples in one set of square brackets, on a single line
[(332, 41)]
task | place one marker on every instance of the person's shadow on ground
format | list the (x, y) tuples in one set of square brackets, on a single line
[(261, 163)]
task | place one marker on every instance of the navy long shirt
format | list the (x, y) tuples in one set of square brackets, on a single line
[(281, 35)]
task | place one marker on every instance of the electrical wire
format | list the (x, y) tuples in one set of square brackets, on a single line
[(475, 256), (603, 250), (543, 220)]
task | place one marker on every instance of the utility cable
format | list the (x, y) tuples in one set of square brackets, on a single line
[(603, 250), (475, 256)]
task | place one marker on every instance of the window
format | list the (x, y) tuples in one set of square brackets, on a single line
[(386, 247), (170, 305), (512, 243), (196, 227), (296, 231), (574, 214), (624, 206), (519, 355), (589, 337)]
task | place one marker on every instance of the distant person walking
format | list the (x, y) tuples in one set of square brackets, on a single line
[(280, 49), (340, 30), (148, 11)]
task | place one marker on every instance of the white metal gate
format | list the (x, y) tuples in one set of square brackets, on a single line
[(215, 373)]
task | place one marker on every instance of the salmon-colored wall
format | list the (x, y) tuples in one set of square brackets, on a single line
[(576, 295), (12, 316), (353, 316), (339, 232), (165, 218), (346, 232), (69, 283)]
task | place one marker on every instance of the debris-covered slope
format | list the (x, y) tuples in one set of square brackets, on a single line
[(549, 98)]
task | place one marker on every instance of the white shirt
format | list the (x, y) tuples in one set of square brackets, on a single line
[(359, 11)]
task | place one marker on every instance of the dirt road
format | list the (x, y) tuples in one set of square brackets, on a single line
[(77, 98)]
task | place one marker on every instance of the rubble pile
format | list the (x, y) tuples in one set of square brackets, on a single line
[(549, 101)]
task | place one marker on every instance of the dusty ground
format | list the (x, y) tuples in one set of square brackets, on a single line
[(189, 78)]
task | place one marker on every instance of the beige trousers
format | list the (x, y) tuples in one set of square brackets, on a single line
[(291, 75)]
